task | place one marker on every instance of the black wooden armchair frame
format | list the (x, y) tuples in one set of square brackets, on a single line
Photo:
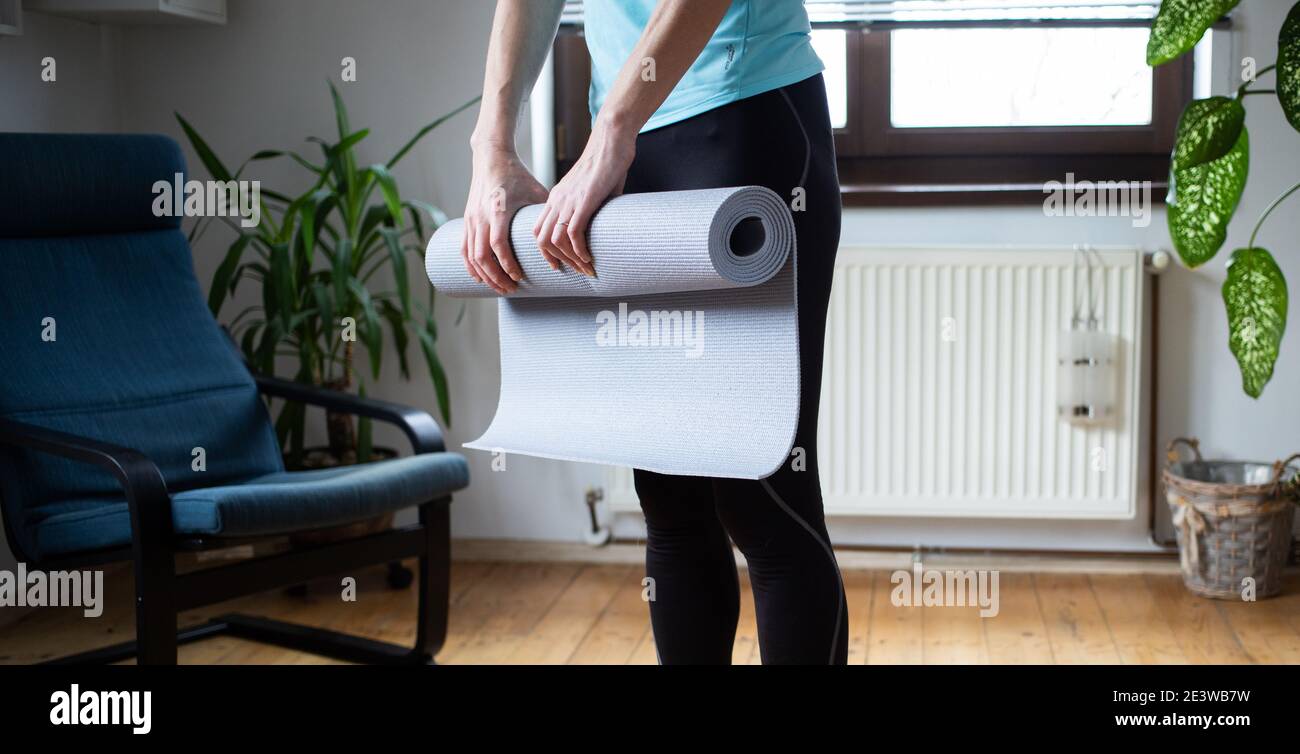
[(161, 594)]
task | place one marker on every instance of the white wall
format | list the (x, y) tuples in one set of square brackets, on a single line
[(84, 95), (260, 82), (81, 98)]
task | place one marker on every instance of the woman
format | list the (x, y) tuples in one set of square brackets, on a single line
[(690, 94)]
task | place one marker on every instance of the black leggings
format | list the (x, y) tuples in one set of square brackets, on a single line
[(780, 139)]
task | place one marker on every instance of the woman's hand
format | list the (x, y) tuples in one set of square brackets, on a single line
[(500, 186), (600, 173)]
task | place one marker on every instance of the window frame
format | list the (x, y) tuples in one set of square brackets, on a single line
[(881, 165)]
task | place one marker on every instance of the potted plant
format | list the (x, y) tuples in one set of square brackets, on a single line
[(317, 258), (1232, 519)]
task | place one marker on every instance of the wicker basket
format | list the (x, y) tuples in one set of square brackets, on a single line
[(1232, 520)]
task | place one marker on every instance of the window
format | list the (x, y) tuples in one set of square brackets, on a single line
[(1025, 77), (970, 101), (830, 47)]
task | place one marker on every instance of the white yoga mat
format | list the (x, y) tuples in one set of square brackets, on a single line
[(681, 357)]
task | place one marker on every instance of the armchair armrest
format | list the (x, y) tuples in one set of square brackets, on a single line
[(418, 426), (146, 491)]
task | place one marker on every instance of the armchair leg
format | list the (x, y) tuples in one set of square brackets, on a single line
[(434, 583), (155, 608), (156, 604)]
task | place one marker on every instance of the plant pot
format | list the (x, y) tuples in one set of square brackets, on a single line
[(1233, 522), (324, 458)]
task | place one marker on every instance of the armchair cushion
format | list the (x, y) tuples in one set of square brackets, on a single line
[(269, 504)]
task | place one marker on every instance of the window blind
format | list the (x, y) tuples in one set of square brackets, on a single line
[(930, 11)]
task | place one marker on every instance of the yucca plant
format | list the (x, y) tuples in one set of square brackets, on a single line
[(317, 256)]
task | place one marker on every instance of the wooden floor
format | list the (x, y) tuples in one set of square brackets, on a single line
[(523, 613)]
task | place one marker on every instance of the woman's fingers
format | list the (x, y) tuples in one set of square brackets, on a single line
[(473, 237), (561, 240), (557, 237), (489, 268), (499, 240), (578, 235), (553, 259), (546, 227), (466, 243), (473, 234), (541, 218), (560, 236), (551, 231)]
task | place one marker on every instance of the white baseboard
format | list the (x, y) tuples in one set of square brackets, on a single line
[(850, 559)]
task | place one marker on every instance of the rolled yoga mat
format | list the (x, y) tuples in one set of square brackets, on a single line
[(681, 357)]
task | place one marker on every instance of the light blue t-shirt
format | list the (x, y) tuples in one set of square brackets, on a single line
[(759, 46)]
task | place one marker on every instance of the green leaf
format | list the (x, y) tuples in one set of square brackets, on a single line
[(221, 281), (317, 169), (1256, 296), (369, 331), (290, 429), (312, 213), (342, 272), (348, 163), (1202, 200), (1180, 24), (1207, 130), (438, 216), (265, 154), (424, 131), (351, 141), (307, 226), (340, 112), (401, 340), (248, 343), (206, 155), (324, 305), (274, 195), (375, 216), (415, 207), (245, 269), (1288, 67), (398, 258), (264, 355), (436, 372), (388, 185), (283, 283)]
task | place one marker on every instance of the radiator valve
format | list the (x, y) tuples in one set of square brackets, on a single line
[(596, 535)]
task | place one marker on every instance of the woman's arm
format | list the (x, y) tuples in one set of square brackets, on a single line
[(673, 38), (522, 32)]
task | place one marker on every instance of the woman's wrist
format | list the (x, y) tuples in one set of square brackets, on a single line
[(614, 135), (492, 147), (615, 128), (489, 137)]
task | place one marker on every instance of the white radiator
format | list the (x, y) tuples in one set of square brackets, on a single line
[(938, 393)]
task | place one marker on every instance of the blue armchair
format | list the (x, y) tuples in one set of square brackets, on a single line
[(114, 373)]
